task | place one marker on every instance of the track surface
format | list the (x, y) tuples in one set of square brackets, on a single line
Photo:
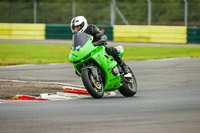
[(168, 100)]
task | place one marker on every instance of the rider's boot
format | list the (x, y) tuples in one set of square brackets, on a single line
[(125, 68), (115, 53)]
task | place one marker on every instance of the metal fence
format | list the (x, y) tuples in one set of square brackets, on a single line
[(102, 12)]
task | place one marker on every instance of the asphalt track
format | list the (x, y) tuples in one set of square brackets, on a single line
[(168, 100)]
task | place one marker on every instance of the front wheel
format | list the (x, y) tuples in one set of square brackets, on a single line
[(94, 87), (129, 87)]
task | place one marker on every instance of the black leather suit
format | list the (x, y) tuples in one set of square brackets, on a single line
[(100, 39)]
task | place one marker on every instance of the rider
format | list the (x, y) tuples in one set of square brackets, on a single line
[(80, 24)]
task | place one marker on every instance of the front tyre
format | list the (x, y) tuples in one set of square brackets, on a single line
[(95, 88), (129, 87)]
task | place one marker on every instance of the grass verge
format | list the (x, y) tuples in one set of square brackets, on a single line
[(15, 54)]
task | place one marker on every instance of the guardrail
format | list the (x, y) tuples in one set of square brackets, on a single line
[(123, 33), (22, 31), (193, 35), (157, 34), (58, 31), (63, 31)]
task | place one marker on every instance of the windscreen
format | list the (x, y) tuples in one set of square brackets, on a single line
[(79, 40)]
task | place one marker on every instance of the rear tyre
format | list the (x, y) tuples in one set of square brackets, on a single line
[(95, 88), (129, 87)]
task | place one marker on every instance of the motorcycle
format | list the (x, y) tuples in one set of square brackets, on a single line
[(98, 70)]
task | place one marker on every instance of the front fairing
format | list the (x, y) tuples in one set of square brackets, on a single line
[(84, 51), (82, 46)]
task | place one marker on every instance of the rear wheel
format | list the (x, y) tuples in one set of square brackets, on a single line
[(129, 87), (94, 87)]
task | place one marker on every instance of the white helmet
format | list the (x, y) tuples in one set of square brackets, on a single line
[(79, 20)]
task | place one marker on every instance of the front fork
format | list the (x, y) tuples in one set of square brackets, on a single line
[(94, 71)]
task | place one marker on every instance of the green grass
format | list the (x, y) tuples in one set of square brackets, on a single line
[(14, 54), (146, 53)]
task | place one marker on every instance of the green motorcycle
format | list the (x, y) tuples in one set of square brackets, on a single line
[(98, 70)]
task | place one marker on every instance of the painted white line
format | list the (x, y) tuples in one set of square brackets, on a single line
[(28, 65), (11, 66), (72, 95), (73, 87), (167, 59), (54, 97)]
